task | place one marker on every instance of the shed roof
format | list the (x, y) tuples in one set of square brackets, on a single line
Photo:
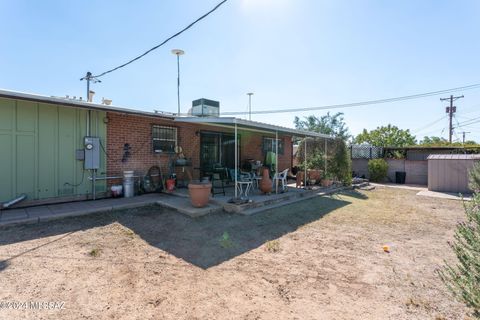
[(454, 157)]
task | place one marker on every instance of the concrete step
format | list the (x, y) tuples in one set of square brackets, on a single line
[(287, 201), (184, 206)]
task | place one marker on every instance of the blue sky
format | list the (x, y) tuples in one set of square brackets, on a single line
[(290, 53)]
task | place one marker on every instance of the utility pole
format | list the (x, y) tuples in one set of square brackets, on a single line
[(250, 105), (463, 136), (451, 110), (178, 53)]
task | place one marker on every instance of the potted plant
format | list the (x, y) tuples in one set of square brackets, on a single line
[(327, 180), (199, 193)]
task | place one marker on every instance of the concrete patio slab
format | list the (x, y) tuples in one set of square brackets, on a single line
[(14, 214), (415, 187), (444, 195), (70, 209)]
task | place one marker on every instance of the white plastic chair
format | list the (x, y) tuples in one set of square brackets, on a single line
[(281, 177)]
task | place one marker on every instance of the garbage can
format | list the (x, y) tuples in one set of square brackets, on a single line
[(128, 184), (400, 177)]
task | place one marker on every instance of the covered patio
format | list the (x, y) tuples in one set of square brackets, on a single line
[(232, 144)]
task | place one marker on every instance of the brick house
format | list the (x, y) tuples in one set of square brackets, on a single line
[(45, 143), (141, 132)]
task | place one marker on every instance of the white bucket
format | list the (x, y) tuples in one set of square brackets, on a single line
[(128, 174), (116, 190)]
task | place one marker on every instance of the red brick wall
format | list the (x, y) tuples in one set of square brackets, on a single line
[(137, 132)]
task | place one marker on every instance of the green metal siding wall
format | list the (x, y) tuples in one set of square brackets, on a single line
[(37, 150)]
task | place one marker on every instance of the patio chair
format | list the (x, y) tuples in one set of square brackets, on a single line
[(281, 177), (242, 179)]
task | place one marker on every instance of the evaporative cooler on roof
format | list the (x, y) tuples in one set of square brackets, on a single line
[(205, 108)]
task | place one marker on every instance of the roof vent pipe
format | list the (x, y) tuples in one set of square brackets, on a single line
[(90, 96), (106, 102)]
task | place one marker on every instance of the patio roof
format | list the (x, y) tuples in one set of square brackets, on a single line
[(251, 125)]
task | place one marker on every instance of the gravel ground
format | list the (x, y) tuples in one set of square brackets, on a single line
[(318, 259)]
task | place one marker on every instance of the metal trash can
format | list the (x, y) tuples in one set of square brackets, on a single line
[(128, 184)]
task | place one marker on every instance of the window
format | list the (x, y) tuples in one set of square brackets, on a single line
[(164, 139), (269, 144)]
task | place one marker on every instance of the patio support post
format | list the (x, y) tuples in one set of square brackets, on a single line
[(305, 164), (236, 160), (325, 155), (276, 160)]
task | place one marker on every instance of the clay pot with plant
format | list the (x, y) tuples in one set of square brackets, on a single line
[(199, 193), (327, 180)]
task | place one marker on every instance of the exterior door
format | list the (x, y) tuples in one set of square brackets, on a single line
[(217, 149)]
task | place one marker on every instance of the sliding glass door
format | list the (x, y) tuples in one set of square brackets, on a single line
[(217, 149)]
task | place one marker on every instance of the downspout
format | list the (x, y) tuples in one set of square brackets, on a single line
[(10, 203)]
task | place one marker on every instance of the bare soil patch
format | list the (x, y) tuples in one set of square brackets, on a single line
[(317, 259)]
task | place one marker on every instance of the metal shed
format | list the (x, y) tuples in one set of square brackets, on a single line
[(449, 172)]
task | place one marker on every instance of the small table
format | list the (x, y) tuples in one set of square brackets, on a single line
[(247, 184)]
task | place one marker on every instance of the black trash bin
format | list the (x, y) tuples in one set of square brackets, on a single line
[(400, 177)]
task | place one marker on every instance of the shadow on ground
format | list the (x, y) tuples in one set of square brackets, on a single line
[(203, 242)]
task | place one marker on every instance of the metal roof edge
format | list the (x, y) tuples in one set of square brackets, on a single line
[(9, 94), (253, 124)]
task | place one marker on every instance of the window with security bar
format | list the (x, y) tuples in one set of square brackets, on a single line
[(164, 139)]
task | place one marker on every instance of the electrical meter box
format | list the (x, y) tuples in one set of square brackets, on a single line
[(92, 153)]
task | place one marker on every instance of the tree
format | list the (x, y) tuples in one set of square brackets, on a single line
[(433, 141), (441, 142), (386, 136), (463, 279), (326, 124)]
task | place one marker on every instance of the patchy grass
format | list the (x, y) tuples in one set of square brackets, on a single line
[(95, 252), (272, 246), (320, 258), (225, 241)]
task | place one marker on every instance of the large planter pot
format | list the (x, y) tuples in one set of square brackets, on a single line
[(315, 174), (326, 182), (266, 183), (199, 193)]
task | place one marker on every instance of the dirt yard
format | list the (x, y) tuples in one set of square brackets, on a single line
[(318, 259)]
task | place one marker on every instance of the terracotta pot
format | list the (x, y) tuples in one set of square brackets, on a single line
[(326, 182), (315, 174), (266, 183), (300, 179), (199, 193)]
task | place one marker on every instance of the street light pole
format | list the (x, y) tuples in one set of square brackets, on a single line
[(250, 105), (178, 53)]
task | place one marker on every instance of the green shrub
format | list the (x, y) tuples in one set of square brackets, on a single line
[(377, 169), (341, 164), (474, 181), (463, 278)]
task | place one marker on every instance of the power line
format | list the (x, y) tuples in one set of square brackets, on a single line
[(358, 104), (469, 124), (467, 121), (428, 125), (164, 42)]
